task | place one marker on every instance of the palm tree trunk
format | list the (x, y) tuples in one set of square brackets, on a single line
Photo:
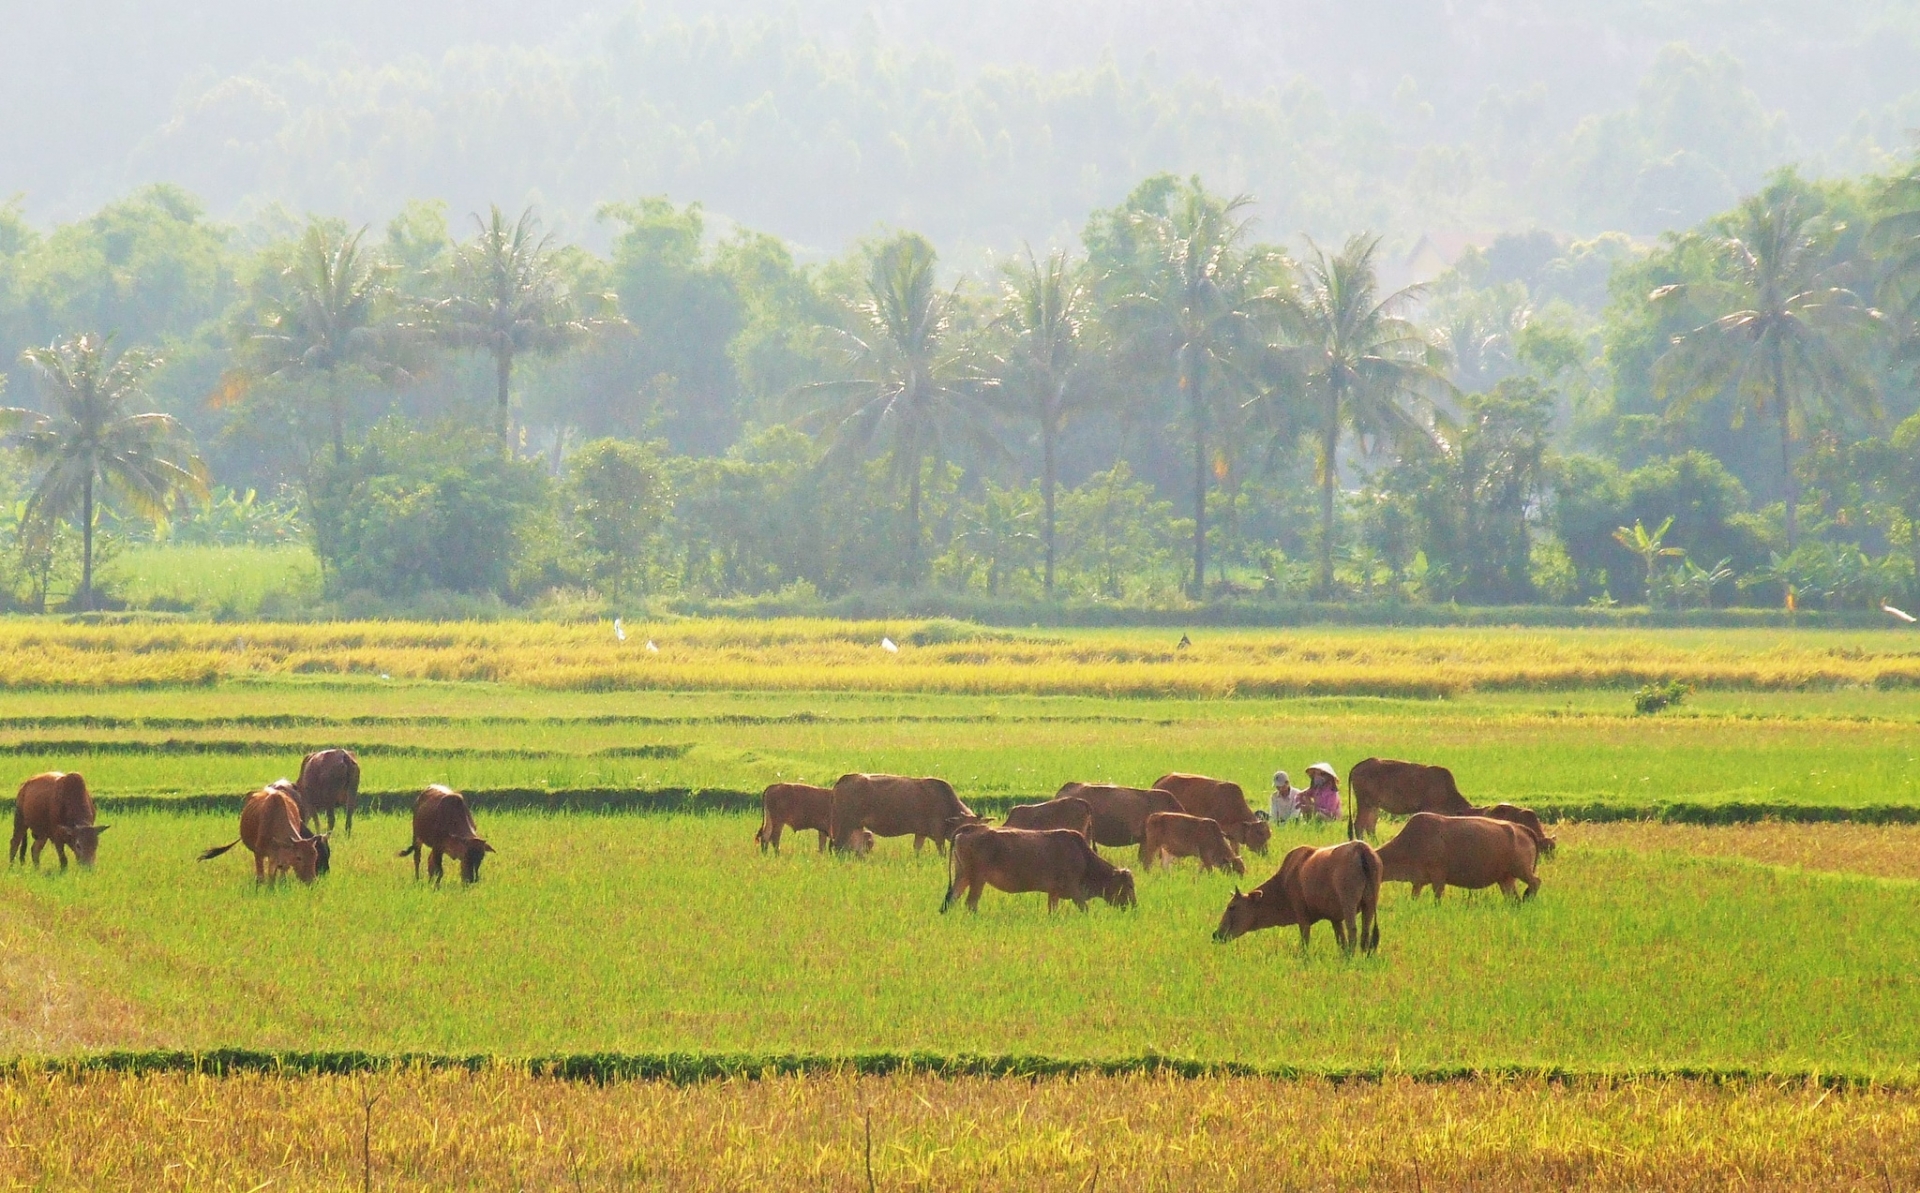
[(1197, 407), (339, 418), (1329, 444), (503, 373), (913, 527), (1048, 433), (1786, 448), (86, 543)]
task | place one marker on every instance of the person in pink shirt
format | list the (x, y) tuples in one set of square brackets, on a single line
[(1322, 796)]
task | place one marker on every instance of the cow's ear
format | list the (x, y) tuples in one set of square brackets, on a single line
[(1236, 892), (101, 828)]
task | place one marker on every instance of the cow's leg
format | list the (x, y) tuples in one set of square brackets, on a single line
[(434, 870), (1439, 889), (416, 859), (1082, 905), (973, 894), (1508, 888), (60, 851), (259, 869), (1533, 886), (1306, 935), (39, 843), (329, 819), (1340, 934)]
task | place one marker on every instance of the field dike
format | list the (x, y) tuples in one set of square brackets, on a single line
[(694, 1067), (683, 801)]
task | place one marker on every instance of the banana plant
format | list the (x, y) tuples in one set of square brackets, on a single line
[(1650, 548)]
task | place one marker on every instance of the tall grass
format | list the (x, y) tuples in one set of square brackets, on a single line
[(656, 934), (225, 581), (504, 1129), (814, 655)]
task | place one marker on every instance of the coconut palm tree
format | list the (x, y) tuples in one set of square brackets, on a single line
[(508, 299), (1045, 310), (1351, 360), (911, 381), (1205, 296), (1780, 342), (327, 320), (94, 437)]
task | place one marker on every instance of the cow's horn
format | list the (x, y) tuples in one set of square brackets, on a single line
[(1236, 890)]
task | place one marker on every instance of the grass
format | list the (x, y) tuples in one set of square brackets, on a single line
[(507, 1130), (948, 657), (661, 933), (1807, 748), (228, 581)]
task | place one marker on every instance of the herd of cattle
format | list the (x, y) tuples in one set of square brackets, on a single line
[(279, 824), (1049, 848), (1052, 847)]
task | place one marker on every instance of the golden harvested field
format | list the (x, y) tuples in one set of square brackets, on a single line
[(955, 658), (1884, 851), (503, 1129)]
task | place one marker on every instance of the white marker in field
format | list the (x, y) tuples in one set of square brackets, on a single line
[(887, 645), (651, 648), (1902, 614), (619, 631)]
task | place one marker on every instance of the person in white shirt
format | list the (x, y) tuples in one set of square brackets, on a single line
[(1286, 798)]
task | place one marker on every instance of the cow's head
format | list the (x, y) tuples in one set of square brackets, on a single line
[(472, 853), (1232, 862), (859, 844), (1258, 835), (1240, 917), (85, 840), (1119, 889), (302, 857), (955, 823)]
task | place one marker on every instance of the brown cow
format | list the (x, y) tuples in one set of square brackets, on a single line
[(443, 824), (895, 806), (1222, 802), (1065, 812), (1526, 819), (1119, 813), (1464, 851), (1339, 883), (1379, 785), (1171, 835), (323, 849), (55, 807), (270, 829), (329, 779), (1016, 860), (796, 806)]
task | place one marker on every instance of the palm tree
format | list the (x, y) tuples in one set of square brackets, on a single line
[(1779, 343), (92, 437), (911, 379), (508, 299), (326, 320), (1045, 309), (1355, 362), (1896, 235), (1650, 547), (1205, 292)]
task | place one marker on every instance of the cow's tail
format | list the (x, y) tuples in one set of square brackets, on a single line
[(217, 850), (953, 877), (1353, 810), (412, 850), (1370, 872)]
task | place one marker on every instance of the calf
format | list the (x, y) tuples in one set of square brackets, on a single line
[(1340, 883), (329, 779), (796, 806), (1464, 851), (1172, 835), (1057, 861), (1068, 811), (1526, 819), (270, 829), (443, 824), (55, 807), (1221, 802)]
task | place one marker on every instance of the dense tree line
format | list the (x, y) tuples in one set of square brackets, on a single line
[(1179, 408)]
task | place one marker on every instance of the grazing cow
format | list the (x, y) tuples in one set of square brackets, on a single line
[(323, 861), (1385, 785), (894, 806), (1465, 851), (795, 806), (1170, 835), (1223, 803), (1065, 812), (1339, 883), (1119, 813), (270, 829), (443, 824), (1016, 860), (329, 779), (55, 807), (1525, 818)]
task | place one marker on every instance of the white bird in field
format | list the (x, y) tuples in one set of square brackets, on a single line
[(887, 645), (619, 631), (651, 648), (1902, 614)]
